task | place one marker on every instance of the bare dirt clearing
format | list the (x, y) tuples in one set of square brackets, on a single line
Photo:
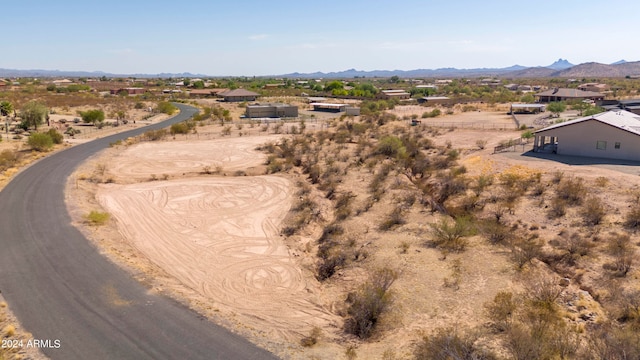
[(217, 235)]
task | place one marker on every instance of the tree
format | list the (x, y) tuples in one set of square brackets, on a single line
[(557, 107), (5, 108), (92, 116), (334, 85), (33, 113)]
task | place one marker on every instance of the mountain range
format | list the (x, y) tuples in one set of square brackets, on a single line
[(560, 68)]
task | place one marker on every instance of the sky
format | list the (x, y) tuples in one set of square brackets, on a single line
[(272, 37)]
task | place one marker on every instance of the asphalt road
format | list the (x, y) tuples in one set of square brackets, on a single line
[(61, 288)]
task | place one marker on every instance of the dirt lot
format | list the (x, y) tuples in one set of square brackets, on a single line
[(196, 218)]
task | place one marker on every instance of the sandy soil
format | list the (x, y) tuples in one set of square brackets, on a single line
[(216, 235)]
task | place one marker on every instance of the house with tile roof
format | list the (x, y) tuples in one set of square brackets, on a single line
[(564, 94), (239, 95)]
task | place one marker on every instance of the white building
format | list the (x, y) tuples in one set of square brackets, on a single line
[(611, 134)]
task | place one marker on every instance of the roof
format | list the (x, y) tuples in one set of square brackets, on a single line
[(435, 98), (201, 92), (328, 105), (276, 105), (569, 93), (623, 120), (239, 92), (524, 106)]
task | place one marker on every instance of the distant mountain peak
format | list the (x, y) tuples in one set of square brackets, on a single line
[(619, 62), (560, 64)]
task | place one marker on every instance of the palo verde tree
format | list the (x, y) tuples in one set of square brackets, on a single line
[(556, 107), (92, 116), (33, 114)]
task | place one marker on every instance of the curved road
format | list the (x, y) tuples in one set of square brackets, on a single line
[(61, 288)]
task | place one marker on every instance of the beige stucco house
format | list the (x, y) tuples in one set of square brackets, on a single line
[(611, 134)]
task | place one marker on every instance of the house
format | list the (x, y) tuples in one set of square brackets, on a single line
[(271, 111), (129, 91), (394, 94), (239, 95), (564, 94), (62, 82), (631, 105), (197, 93), (611, 135), (595, 87), (332, 107), (431, 100)]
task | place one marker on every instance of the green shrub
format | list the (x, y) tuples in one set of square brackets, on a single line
[(166, 108), (92, 116), (179, 128), (97, 218), (500, 310), (40, 141), (55, 136), (450, 235)]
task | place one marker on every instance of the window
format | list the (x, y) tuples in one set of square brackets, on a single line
[(617, 145), (601, 145)]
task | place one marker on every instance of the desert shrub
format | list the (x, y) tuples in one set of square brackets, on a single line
[(366, 305), (155, 135), (312, 338), (94, 116), (500, 310), (56, 136), (622, 251), (343, 206), (8, 158), (274, 164), (40, 141), (557, 209), (495, 231), (448, 344), (593, 211), (601, 181), (538, 189), (557, 177), (482, 182), (451, 235), (431, 114), (179, 128), (481, 143), (330, 231), (575, 246), (524, 251), (392, 220), (97, 218), (612, 342), (632, 219), (572, 191), (328, 265), (166, 108), (391, 146), (543, 290)]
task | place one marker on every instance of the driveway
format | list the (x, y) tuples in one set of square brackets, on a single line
[(61, 288)]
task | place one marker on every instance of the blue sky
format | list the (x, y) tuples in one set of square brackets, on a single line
[(276, 37)]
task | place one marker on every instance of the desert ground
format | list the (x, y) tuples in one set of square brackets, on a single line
[(197, 218)]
